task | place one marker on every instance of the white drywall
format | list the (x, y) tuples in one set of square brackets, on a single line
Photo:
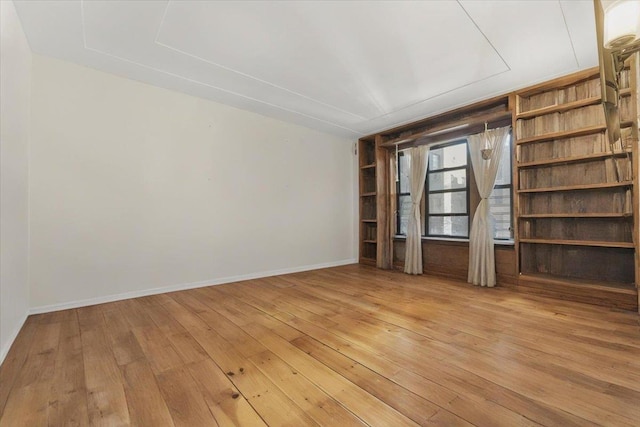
[(15, 84), (136, 189)]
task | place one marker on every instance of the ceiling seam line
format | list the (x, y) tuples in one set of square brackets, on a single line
[(84, 33), (439, 94), (333, 107), (485, 36), (164, 15), (84, 38), (573, 48), (215, 64), (220, 89)]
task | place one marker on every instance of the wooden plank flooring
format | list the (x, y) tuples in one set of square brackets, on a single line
[(342, 346)]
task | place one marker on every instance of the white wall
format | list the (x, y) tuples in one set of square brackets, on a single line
[(15, 83), (135, 187)]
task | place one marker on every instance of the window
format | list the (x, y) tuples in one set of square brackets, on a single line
[(447, 190), (500, 201), (447, 193), (404, 197)]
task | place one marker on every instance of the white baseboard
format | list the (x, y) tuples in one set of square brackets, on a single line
[(181, 287), (7, 346)]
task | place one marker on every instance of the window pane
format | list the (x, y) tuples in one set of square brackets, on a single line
[(504, 169), (500, 207), (456, 226), (404, 209), (448, 157), (403, 172), (448, 180), (455, 202)]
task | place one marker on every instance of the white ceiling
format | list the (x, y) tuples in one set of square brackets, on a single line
[(348, 68)]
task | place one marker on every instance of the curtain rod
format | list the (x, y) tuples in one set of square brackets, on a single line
[(444, 141), (457, 137), (493, 119)]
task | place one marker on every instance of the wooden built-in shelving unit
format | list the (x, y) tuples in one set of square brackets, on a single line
[(368, 208), (375, 240), (576, 193), (575, 196)]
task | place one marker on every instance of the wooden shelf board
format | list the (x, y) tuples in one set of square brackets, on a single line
[(559, 108), (372, 165), (561, 82), (578, 187), (369, 220), (449, 127), (368, 261), (623, 288), (579, 215), (580, 243), (369, 241), (574, 159), (373, 193), (562, 134)]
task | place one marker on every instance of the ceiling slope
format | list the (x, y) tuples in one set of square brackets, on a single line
[(347, 68)]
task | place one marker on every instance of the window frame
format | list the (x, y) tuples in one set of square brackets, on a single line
[(466, 189), (469, 171), (510, 187), (399, 194)]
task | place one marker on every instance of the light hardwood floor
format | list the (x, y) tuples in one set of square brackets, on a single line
[(336, 347)]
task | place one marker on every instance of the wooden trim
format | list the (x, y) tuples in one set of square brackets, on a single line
[(574, 159), (578, 187), (634, 88), (559, 108), (514, 105), (449, 116), (384, 249), (561, 82), (580, 243), (367, 261), (563, 134), (470, 127), (618, 295), (580, 215), (625, 288)]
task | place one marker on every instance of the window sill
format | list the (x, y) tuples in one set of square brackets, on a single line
[(496, 242)]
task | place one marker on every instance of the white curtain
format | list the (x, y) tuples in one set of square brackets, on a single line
[(486, 151), (417, 175)]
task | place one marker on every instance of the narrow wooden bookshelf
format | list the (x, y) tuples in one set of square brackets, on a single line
[(576, 193), (368, 202)]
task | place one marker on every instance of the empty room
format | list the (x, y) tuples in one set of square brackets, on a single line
[(319, 213)]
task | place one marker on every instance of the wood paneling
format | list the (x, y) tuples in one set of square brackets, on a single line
[(351, 345), (451, 259)]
